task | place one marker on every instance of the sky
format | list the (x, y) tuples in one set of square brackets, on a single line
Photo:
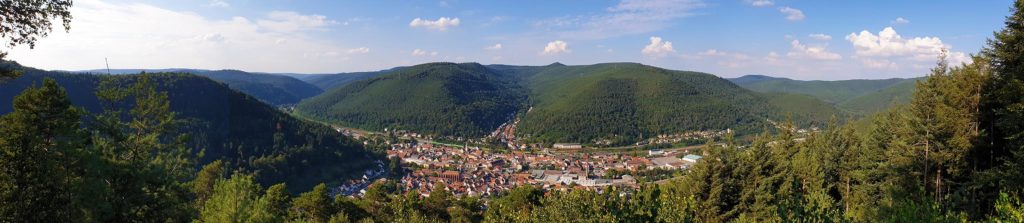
[(799, 39)]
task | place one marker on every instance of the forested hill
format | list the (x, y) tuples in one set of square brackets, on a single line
[(858, 96), (625, 102), (620, 102), (331, 81), (270, 88), (436, 98), (228, 125)]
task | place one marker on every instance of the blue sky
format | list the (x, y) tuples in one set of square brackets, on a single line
[(800, 39)]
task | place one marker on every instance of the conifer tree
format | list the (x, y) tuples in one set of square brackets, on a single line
[(40, 168), (1003, 101)]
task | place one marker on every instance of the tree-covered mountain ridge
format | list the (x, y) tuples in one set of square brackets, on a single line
[(858, 96), (224, 124), (273, 89), (615, 103)]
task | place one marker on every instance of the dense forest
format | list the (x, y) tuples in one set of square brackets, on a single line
[(860, 97), (942, 158), (625, 102), (620, 103), (467, 100), (954, 153), (223, 124), (331, 81), (273, 89)]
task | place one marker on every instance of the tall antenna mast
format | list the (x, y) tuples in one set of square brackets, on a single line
[(108, 65)]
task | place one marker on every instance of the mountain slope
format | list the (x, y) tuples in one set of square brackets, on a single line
[(625, 102), (803, 107), (880, 100), (270, 88), (228, 125), (331, 81), (619, 103), (829, 91), (436, 98)]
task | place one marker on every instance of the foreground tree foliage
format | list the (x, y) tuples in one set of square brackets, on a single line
[(953, 154), (22, 22)]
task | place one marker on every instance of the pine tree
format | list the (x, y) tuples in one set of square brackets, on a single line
[(313, 206), (40, 149), (1003, 102), (232, 200), (147, 158)]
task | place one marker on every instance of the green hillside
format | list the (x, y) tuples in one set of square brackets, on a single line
[(618, 102), (829, 91), (331, 81), (229, 125), (624, 102), (273, 89), (860, 97), (436, 98), (270, 88), (804, 107), (881, 100)]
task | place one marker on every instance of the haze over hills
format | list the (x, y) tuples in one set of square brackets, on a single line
[(274, 89), (228, 125), (862, 97)]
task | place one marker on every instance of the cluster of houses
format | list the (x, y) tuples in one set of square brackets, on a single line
[(475, 171)]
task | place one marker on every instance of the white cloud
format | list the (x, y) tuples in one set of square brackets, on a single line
[(419, 52), (360, 50), (819, 36), (889, 50), (900, 21), (792, 14), (761, 3), (494, 47), (555, 47), (441, 24), (799, 50), (219, 4), (657, 48), (214, 37), (136, 35), (772, 58), (957, 58), (625, 18), (888, 43), (288, 21)]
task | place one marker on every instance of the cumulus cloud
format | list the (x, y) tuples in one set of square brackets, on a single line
[(494, 47), (625, 18), (889, 50), (555, 47), (888, 43), (441, 24), (761, 3), (419, 52), (792, 14), (137, 35), (799, 50), (219, 4), (900, 21), (288, 21), (819, 36), (657, 48)]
